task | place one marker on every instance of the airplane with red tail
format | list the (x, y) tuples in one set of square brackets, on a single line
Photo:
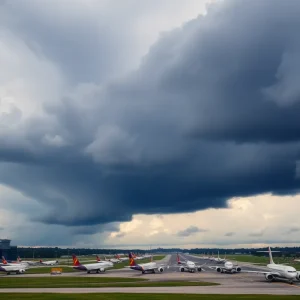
[(146, 267), (96, 267)]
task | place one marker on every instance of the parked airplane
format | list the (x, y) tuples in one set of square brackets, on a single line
[(49, 262), (16, 268), (188, 265), (29, 262), (113, 260), (228, 267), (9, 263), (12, 267), (147, 267), (277, 271), (137, 257), (97, 267), (219, 260), (121, 258)]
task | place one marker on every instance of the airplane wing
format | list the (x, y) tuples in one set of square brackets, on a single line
[(275, 274)]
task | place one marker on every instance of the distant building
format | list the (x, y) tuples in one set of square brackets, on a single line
[(8, 251)]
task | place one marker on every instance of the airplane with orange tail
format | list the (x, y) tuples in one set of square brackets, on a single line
[(96, 267), (12, 267), (147, 267)]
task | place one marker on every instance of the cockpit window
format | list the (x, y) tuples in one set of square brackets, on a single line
[(291, 271)]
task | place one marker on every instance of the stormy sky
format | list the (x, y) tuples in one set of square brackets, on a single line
[(114, 113)]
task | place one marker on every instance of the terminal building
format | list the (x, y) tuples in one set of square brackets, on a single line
[(8, 251)]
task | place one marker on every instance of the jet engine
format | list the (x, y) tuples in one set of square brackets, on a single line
[(199, 269), (102, 270), (219, 269), (161, 269), (21, 271), (238, 269), (181, 269), (298, 276), (269, 276)]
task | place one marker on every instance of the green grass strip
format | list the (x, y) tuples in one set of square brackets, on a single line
[(119, 296)]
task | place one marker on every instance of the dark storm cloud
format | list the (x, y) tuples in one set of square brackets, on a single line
[(190, 231), (120, 235), (211, 113)]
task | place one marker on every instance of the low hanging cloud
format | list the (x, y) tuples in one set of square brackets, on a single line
[(293, 230), (212, 112), (190, 231), (229, 234)]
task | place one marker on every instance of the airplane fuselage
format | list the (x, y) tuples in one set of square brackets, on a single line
[(286, 272)]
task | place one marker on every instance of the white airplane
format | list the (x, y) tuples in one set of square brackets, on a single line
[(29, 262), (220, 260), (16, 268), (12, 263), (121, 258), (188, 265), (137, 257), (97, 267), (49, 262), (147, 267), (277, 271), (12, 267), (228, 267), (113, 260)]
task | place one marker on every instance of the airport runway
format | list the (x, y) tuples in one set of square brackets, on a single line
[(239, 283)]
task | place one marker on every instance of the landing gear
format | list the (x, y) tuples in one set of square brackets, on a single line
[(153, 271), (291, 282), (143, 272), (192, 271), (98, 271), (89, 272)]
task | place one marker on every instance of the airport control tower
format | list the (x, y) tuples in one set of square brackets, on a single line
[(6, 250), (4, 247)]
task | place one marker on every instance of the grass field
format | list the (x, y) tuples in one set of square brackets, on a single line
[(38, 282), (143, 297), (76, 282)]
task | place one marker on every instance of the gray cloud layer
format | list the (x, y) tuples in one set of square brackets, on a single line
[(211, 113), (189, 231)]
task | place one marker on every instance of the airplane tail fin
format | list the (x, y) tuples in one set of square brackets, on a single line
[(98, 258), (270, 255), (4, 261), (75, 260), (131, 260), (178, 259)]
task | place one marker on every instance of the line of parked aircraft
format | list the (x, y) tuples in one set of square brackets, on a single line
[(273, 271)]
